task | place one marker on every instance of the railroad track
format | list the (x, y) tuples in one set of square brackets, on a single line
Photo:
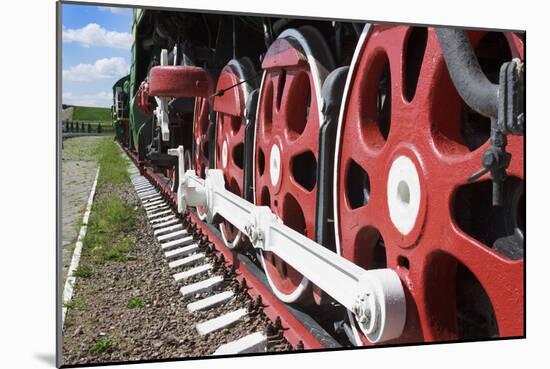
[(221, 288)]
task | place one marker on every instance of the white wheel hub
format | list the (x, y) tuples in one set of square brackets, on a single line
[(403, 192), (224, 154), (275, 164)]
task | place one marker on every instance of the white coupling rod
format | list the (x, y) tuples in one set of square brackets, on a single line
[(376, 297)]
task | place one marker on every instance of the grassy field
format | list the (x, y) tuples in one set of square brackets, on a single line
[(93, 115), (114, 167), (112, 217), (88, 113)]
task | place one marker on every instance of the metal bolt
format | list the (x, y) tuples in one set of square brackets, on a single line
[(489, 159), (499, 139)]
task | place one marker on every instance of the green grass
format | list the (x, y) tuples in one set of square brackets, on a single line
[(102, 345), (111, 220), (114, 167), (83, 272), (77, 302), (135, 302), (93, 115), (89, 113)]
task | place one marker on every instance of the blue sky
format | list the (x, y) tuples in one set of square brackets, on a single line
[(96, 52)]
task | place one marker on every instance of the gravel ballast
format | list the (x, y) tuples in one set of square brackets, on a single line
[(101, 328)]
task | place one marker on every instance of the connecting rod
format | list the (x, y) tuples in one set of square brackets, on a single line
[(376, 297)]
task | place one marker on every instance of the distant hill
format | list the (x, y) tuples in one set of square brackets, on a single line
[(88, 113)]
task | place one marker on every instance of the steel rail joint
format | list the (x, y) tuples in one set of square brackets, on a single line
[(376, 297)]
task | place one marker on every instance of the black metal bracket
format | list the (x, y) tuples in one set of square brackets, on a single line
[(510, 120), (332, 92), (503, 103), (511, 109)]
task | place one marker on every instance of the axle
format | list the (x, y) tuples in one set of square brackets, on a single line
[(376, 297)]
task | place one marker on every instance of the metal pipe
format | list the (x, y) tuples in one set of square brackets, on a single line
[(471, 83)]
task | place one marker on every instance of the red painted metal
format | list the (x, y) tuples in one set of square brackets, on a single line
[(293, 329), (180, 81), (283, 52), (171, 175), (230, 126), (284, 120), (202, 142), (426, 130), (143, 101), (200, 132), (231, 102)]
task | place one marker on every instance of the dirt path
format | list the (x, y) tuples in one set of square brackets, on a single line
[(78, 168)]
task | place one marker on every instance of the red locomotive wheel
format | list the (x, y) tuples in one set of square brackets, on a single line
[(172, 175), (286, 143), (406, 146), (230, 127), (201, 144)]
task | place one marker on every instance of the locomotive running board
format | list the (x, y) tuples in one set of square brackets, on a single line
[(376, 297)]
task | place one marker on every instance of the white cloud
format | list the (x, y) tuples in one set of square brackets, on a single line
[(94, 35), (116, 10), (115, 67), (100, 99)]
